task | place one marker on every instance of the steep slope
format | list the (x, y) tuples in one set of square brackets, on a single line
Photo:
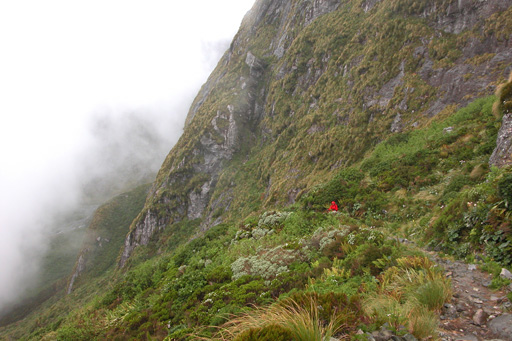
[(310, 86), (393, 108), (57, 263)]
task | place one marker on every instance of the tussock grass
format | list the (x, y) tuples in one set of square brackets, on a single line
[(422, 322), (387, 309), (303, 323), (433, 294), (410, 294)]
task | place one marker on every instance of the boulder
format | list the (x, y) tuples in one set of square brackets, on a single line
[(502, 326)]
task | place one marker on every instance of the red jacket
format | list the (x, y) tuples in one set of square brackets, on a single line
[(333, 207)]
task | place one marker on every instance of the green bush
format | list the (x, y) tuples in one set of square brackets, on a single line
[(364, 258), (497, 244), (297, 224), (219, 274), (71, 333), (345, 184)]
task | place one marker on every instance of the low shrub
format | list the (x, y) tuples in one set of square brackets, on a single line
[(505, 189), (422, 323)]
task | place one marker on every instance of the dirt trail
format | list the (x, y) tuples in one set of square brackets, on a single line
[(476, 312)]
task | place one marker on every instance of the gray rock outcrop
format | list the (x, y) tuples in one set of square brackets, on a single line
[(204, 161), (79, 268), (502, 154)]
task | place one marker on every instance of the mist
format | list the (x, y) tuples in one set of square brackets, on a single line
[(93, 96)]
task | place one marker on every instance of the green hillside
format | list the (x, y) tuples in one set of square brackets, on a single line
[(407, 187), (391, 108)]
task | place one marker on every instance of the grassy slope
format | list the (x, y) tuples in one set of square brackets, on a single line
[(110, 224), (406, 186), (55, 268)]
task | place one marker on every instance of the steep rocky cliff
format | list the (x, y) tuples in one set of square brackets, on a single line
[(502, 154), (309, 86)]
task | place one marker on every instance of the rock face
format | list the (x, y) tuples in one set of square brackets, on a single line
[(465, 14), (298, 71), (502, 155), (141, 234), (228, 127), (79, 268), (221, 138)]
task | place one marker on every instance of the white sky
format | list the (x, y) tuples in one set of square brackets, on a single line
[(62, 61)]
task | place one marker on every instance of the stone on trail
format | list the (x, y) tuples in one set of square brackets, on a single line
[(502, 326), (480, 317), (506, 274)]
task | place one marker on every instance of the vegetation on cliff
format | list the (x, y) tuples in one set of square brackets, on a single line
[(387, 107)]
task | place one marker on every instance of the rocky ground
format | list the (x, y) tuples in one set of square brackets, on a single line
[(476, 312)]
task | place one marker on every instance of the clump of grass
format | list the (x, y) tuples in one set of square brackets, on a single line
[(409, 295), (416, 317), (504, 94), (270, 332), (386, 309), (433, 294), (302, 322), (423, 322)]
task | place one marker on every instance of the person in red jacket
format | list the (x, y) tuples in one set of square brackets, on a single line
[(333, 207)]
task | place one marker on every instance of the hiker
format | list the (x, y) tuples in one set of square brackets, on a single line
[(333, 207)]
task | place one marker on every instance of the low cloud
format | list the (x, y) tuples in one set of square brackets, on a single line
[(94, 95), (121, 150)]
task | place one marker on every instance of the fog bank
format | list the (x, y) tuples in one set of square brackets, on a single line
[(94, 95)]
